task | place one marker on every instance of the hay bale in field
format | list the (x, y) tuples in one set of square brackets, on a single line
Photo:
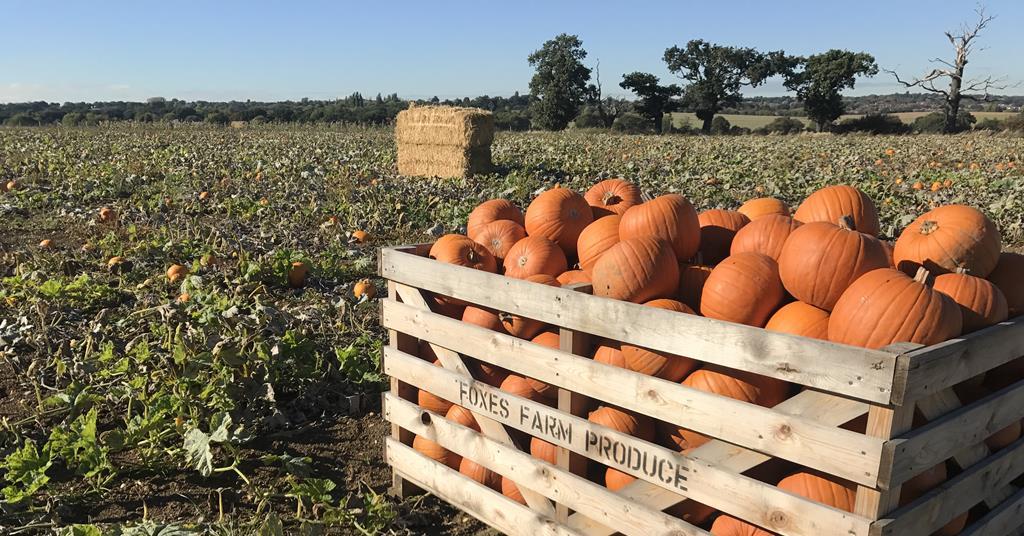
[(444, 141)]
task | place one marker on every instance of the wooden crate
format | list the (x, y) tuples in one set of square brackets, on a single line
[(841, 383)]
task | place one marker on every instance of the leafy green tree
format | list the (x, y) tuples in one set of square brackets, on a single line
[(560, 83), (655, 99), (716, 74), (217, 118), (23, 120), (823, 76)]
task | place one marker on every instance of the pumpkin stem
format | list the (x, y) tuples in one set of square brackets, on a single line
[(610, 198), (846, 222), (928, 227), (922, 275)]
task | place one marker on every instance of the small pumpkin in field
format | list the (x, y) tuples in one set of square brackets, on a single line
[(636, 270), (597, 238), (691, 282), (654, 363), (499, 237), (560, 215), (107, 215), (612, 196), (359, 237), (176, 272), (766, 235), (572, 277), (10, 185), (364, 290), (980, 301), (46, 243), (535, 255), (763, 206), (820, 260), (119, 265), (744, 288), (520, 326), (717, 230), (670, 217), (914, 311), (492, 210), (297, 273), (1007, 276), (799, 318), (833, 202), (947, 238)]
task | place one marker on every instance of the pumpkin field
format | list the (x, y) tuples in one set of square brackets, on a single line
[(190, 337)]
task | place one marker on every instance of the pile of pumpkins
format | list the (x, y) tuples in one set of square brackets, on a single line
[(821, 272)]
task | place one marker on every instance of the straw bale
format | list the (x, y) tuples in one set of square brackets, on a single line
[(445, 125), (449, 161)]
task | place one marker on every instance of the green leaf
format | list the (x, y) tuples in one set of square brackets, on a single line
[(26, 472), (197, 451), (272, 526)]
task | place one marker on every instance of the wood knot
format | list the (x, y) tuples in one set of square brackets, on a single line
[(778, 519), (784, 432)]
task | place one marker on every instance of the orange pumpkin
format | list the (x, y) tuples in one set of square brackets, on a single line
[(744, 288), (483, 317), (510, 490), (519, 386), (670, 217), (717, 229), (542, 450), (436, 452), (834, 493), (831, 203), (550, 339), (481, 474), (461, 251), (691, 283), (499, 237), (636, 270), (520, 326), (763, 206), (573, 277), (726, 525), (490, 211), (535, 255), (462, 416), (820, 260), (799, 318), (980, 301), (970, 393), (612, 196), (925, 482), (765, 235), (947, 238), (886, 306), (623, 421), (1007, 276), (663, 365), (559, 215), (597, 238), (616, 480), (432, 402), (610, 353)]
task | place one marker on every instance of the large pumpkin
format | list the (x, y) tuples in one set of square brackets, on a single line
[(886, 306), (535, 255), (436, 452), (947, 238), (799, 318), (460, 250), (820, 260), (623, 421), (542, 450), (925, 482), (831, 203), (547, 391), (499, 237), (481, 474), (980, 301), (461, 415), (765, 235), (834, 493), (717, 229), (763, 206), (510, 490), (725, 525), (616, 480), (572, 277), (489, 211), (597, 238), (1007, 276), (610, 353), (670, 217), (483, 317), (744, 288), (691, 283), (520, 326), (970, 393), (636, 270), (431, 402), (661, 364), (560, 215), (612, 196), (519, 386)]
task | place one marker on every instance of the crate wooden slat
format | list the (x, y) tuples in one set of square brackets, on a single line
[(844, 383)]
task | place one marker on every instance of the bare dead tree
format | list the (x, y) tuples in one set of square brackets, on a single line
[(972, 89), (597, 98)]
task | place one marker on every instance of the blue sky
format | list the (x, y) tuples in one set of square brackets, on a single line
[(121, 50)]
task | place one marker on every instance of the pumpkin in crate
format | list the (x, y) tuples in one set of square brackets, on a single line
[(522, 327), (519, 386), (947, 238), (661, 364), (799, 318), (510, 490), (888, 246), (763, 206), (436, 452), (691, 282), (970, 392), (1007, 276), (612, 196), (560, 215), (535, 255), (499, 237), (765, 235), (573, 277), (461, 251), (610, 353), (717, 229), (481, 474), (726, 525), (925, 482), (669, 217), (886, 306), (542, 450), (490, 374), (820, 260), (981, 302), (636, 270), (431, 402), (550, 339), (597, 238), (833, 202), (483, 317), (691, 511), (616, 480), (491, 211), (744, 288), (623, 421)]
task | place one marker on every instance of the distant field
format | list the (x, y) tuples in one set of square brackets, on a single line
[(757, 121)]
